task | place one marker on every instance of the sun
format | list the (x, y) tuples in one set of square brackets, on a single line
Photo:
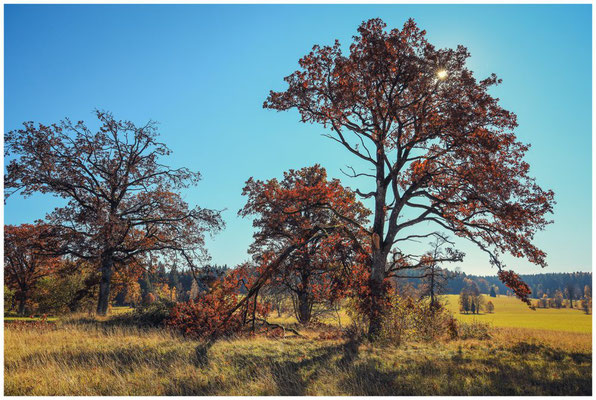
[(442, 74)]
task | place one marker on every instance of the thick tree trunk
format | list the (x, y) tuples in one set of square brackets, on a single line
[(379, 251), (107, 269), (304, 308), (377, 293), (22, 303)]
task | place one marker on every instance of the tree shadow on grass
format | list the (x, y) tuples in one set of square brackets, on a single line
[(291, 382), (124, 359), (529, 372)]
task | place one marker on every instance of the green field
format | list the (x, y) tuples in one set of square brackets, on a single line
[(511, 312)]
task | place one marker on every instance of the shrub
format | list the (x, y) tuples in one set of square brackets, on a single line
[(207, 316), (9, 297), (408, 319), (148, 299), (57, 294), (473, 330), (149, 315), (210, 315)]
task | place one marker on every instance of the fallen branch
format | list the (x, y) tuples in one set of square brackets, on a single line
[(283, 328)]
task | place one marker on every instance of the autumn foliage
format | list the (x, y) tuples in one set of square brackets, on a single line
[(440, 153), (441, 149), (212, 314), (287, 213), (25, 262), (123, 203)]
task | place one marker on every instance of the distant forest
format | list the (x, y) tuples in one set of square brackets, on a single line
[(540, 284), (549, 283)]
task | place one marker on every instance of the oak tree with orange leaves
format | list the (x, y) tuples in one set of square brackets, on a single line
[(441, 148), (24, 260), (123, 203), (286, 212)]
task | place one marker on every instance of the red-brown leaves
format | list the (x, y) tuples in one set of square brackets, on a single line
[(123, 203), (441, 146), (212, 314), (288, 212), (514, 282), (24, 259)]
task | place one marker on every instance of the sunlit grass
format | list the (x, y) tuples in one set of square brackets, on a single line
[(95, 359), (511, 312)]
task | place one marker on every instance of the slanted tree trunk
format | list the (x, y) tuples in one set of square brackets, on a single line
[(107, 269)]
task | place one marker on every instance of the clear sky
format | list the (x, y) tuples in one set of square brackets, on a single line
[(203, 72)]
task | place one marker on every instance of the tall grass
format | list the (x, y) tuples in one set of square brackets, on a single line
[(86, 357)]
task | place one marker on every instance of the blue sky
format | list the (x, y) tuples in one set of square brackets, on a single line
[(203, 72)]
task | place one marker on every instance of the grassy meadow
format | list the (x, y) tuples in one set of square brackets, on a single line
[(74, 358), (512, 313), (88, 356)]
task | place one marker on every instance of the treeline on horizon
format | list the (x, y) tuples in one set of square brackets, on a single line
[(182, 281), (540, 284)]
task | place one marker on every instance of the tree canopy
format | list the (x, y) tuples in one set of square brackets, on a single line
[(123, 203), (439, 144), (286, 212)]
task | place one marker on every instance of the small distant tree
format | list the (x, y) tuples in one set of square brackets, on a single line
[(558, 300), (434, 277), (163, 291), (149, 299), (493, 292), (194, 290), (543, 301), (586, 302), (490, 307), (570, 293), (480, 303), (464, 301), (133, 294)]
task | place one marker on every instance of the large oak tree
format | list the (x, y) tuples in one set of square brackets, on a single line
[(123, 203), (441, 148)]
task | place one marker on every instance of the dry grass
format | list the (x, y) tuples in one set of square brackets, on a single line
[(76, 358)]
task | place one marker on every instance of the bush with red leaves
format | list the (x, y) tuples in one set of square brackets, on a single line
[(212, 314)]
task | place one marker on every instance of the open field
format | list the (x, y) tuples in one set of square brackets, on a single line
[(93, 359), (510, 312), (548, 353)]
